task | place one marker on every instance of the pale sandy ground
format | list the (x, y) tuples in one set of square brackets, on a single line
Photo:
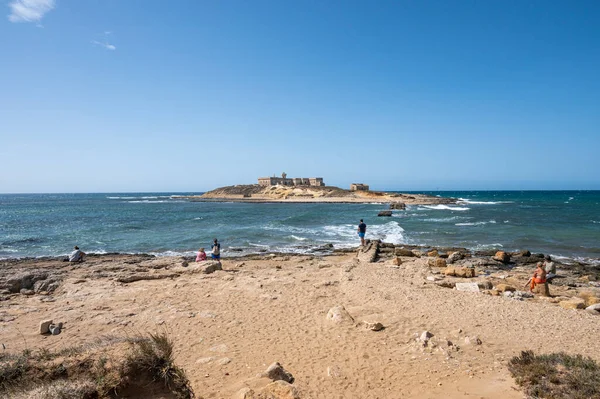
[(230, 325)]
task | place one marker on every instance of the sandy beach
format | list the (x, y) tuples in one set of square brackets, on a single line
[(230, 325)]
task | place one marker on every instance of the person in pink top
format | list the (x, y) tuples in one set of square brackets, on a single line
[(201, 255)]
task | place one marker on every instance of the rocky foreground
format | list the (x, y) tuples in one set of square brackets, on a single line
[(256, 193), (382, 322)]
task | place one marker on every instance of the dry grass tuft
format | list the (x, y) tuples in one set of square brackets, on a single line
[(154, 356), (104, 370), (556, 375)]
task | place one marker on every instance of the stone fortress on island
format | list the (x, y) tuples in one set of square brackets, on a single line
[(287, 181)]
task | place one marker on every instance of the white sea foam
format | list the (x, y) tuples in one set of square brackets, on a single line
[(594, 221), (488, 246), (438, 220), (446, 207), (469, 202), (151, 202), (475, 223), (390, 232), (298, 238), (125, 198)]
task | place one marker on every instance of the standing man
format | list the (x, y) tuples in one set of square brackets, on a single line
[(216, 250), (362, 229)]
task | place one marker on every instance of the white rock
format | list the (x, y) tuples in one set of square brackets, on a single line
[(425, 335), (45, 326), (339, 314)]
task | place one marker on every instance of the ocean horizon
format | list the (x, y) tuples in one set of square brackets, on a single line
[(565, 224)]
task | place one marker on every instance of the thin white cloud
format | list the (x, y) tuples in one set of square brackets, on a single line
[(107, 46), (29, 10)]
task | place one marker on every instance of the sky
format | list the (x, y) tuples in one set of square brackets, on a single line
[(187, 96)]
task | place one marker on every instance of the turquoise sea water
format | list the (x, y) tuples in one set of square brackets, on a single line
[(562, 223)]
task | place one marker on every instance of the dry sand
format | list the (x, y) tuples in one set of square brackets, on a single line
[(228, 326)]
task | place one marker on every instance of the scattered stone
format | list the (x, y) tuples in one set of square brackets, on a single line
[(373, 326), (594, 309), (465, 272), (276, 372), (574, 303), (339, 314), (397, 261), (473, 340), (524, 252), (437, 262), (454, 257), (502, 256), (469, 287), (334, 372), (425, 335), (398, 205), (279, 390), (485, 285), (224, 361), (385, 213), (433, 278), (403, 252), (505, 287), (45, 326), (25, 291), (205, 360)]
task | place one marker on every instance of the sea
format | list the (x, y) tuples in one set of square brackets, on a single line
[(565, 224)]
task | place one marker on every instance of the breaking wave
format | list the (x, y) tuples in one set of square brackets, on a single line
[(446, 207)]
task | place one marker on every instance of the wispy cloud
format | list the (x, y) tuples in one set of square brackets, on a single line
[(105, 42), (29, 10), (107, 46)]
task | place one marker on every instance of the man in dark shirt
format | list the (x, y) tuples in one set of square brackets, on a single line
[(216, 250), (362, 229)]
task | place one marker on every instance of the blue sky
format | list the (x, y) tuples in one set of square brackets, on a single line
[(145, 95)]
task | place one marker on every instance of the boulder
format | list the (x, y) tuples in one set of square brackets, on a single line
[(574, 303), (276, 372), (464, 272), (385, 213), (45, 326), (505, 287), (425, 335), (594, 309), (502, 256), (437, 262), (398, 205), (433, 253), (473, 340), (454, 257), (373, 326), (485, 285), (208, 266), (468, 287), (403, 252), (339, 314), (542, 289), (279, 390), (524, 252)]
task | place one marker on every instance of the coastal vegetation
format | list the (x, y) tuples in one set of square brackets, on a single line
[(556, 375), (110, 367)]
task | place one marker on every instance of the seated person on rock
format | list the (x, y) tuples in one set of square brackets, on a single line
[(539, 280), (201, 255), (76, 255), (550, 268)]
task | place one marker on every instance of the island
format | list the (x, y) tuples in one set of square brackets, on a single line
[(304, 190)]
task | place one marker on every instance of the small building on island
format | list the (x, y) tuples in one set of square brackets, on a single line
[(359, 187), (287, 181)]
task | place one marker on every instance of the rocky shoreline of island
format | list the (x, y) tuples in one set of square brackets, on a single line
[(254, 193)]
